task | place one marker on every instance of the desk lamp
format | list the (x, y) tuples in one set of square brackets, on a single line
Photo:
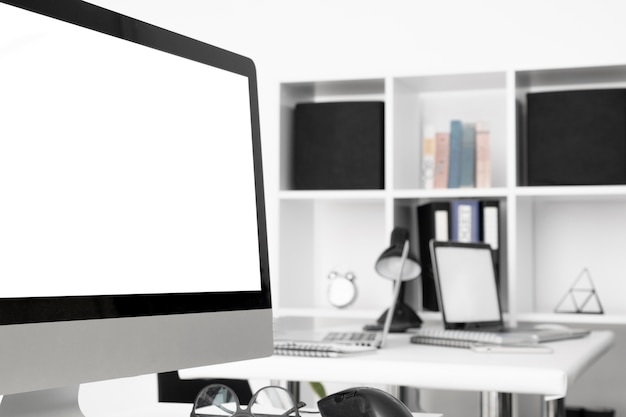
[(399, 264)]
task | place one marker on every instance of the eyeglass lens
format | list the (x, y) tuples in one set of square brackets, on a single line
[(216, 400), (273, 401), (220, 400)]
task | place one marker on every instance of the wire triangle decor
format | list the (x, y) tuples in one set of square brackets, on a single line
[(582, 297)]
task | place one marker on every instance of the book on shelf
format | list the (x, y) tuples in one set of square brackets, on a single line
[(428, 158), (461, 155), (319, 349), (475, 219), (483, 155), (490, 229), (433, 222), (465, 225), (454, 164), (468, 156), (442, 159)]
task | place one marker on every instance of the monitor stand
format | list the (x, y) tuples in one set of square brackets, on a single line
[(55, 402)]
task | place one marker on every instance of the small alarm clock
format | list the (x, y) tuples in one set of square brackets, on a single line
[(341, 289)]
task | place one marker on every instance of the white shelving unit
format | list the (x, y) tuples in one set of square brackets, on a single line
[(550, 234)]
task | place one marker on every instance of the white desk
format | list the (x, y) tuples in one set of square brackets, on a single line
[(430, 367)]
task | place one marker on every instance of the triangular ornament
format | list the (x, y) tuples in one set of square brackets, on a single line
[(581, 298)]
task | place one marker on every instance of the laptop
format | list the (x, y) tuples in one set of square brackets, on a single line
[(305, 331), (467, 290)]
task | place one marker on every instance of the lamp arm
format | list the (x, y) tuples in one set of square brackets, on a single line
[(396, 293)]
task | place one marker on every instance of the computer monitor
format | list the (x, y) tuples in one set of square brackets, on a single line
[(132, 221)]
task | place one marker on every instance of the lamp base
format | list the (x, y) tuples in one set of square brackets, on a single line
[(404, 318)]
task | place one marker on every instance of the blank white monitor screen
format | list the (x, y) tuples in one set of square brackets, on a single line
[(132, 218), (92, 168)]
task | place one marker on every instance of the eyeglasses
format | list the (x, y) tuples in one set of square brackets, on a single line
[(220, 400)]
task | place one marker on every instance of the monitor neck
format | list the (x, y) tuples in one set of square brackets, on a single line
[(55, 402)]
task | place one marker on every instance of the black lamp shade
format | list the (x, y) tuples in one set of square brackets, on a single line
[(390, 261)]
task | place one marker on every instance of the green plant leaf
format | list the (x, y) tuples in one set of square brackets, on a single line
[(318, 388)]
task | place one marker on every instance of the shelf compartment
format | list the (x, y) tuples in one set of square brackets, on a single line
[(318, 91), (553, 80), (565, 236), (433, 101), (320, 236)]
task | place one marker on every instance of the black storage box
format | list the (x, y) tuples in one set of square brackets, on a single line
[(338, 145), (576, 137)]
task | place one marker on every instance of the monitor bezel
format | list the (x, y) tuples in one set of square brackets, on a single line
[(52, 309)]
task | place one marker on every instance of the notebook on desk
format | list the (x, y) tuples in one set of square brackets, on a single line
[(467, 290)]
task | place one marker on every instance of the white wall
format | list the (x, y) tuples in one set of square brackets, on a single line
[(335, 39)]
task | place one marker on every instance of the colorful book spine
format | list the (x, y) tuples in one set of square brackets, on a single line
[(456, 137), (468, 153), (442, 159), (428, 159), (468, 156), (483, 155)]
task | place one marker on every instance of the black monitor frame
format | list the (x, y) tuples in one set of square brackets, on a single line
[(49, 309)]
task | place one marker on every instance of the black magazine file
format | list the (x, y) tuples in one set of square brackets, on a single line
[(576, 137), (338, 146)]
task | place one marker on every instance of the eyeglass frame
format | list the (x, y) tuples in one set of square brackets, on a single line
[(239, 412)]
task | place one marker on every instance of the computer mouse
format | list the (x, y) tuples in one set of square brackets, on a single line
[(362, 402)]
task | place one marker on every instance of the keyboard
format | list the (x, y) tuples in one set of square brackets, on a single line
[(357, 338), (319, 349), (469, 336)]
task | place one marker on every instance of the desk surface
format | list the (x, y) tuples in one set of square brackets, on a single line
[(432, 367)]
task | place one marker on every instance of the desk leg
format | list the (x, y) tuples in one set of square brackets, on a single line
[(294, 388), (554, 408), (496, 404)]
